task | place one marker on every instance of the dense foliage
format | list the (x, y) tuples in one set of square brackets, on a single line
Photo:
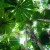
[(19, 18)]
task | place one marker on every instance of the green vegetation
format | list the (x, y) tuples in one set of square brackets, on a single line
[(24, 24)]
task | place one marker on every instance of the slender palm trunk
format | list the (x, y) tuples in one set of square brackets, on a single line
[(32, 36), (26, 44)]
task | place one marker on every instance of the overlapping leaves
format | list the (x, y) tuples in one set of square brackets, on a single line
[(6, 25), (22, 9), (42, 36)]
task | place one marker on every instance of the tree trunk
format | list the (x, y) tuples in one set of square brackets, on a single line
[(26, 44), (33, 37), (44, 20)]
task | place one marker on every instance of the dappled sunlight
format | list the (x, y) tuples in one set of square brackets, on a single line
[(22, 40), (24, 24), (35, 23)]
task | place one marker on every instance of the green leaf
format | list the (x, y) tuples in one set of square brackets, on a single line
[(23, 11), (44, 4), (29, 43), (12, 2), (4, 46), (6, 26), (48, 1), (47, 12), (42, 36), (8, 8), (13, 41), (36, 47)]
